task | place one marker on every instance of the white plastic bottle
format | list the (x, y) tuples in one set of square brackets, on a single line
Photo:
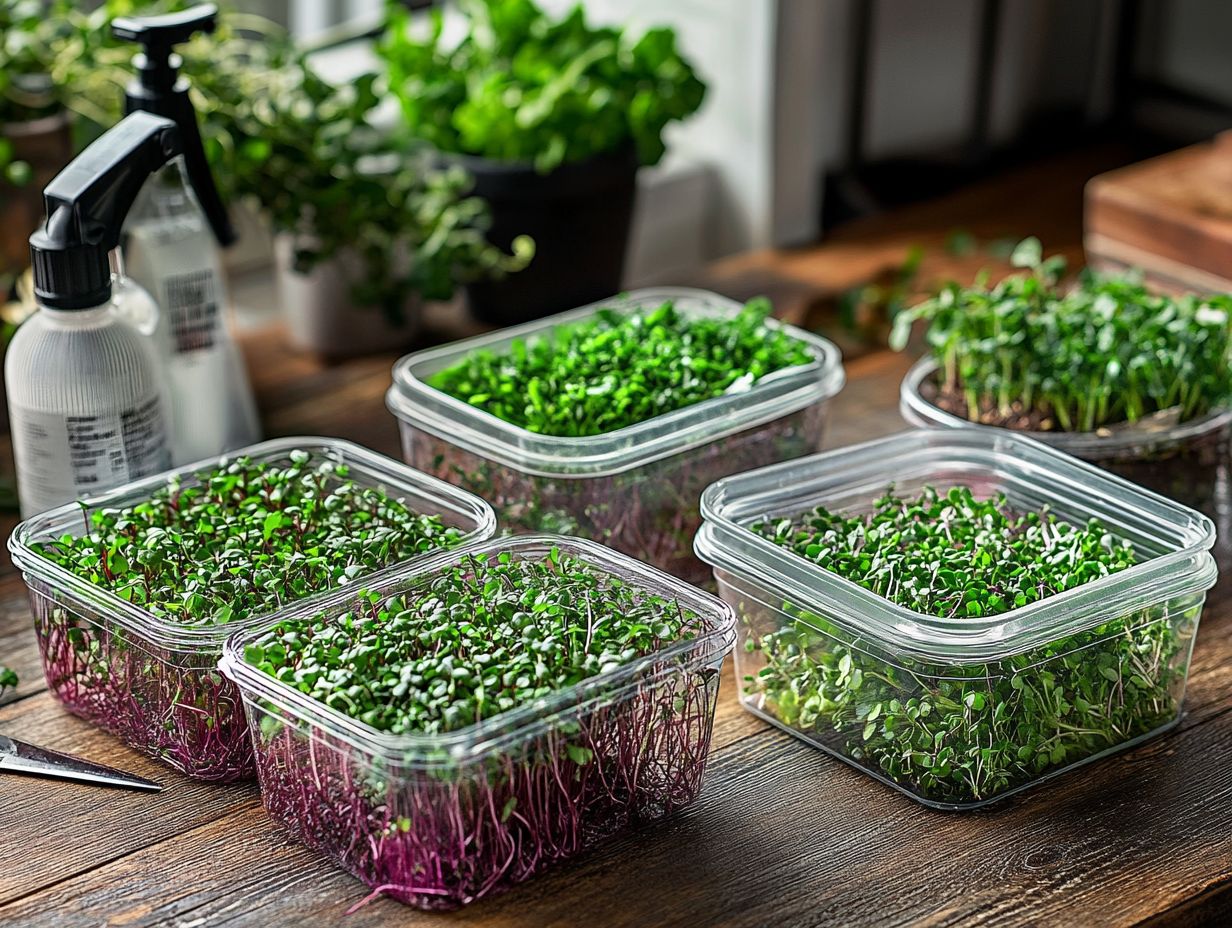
[(171, 252), (172, 237), (86, 405), (86, 393)]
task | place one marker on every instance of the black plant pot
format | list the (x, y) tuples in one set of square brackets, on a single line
[(579, 217)]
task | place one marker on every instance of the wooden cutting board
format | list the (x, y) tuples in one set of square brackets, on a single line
[(1171, 216)]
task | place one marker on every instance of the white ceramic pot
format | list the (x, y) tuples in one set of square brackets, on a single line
[(321, 316)]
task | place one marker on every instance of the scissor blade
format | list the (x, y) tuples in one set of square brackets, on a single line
[(19, 757)]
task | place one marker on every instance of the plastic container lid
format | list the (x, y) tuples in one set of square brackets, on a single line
[(1172, 539), (779, 394), (420, 491), (714, 637)]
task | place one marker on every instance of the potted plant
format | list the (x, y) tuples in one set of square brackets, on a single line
[(365, 227), (35, 126), (134, 594), (459, 727), (960, 613), (552, 116), (1105, 370), (608, 422)]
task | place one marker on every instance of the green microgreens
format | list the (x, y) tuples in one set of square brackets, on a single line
[(8, 679), (480, 638), (958, 733), (248, 538), (1102, 352), (622, 367), (952, 554)]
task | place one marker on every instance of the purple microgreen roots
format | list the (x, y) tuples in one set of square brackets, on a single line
[(622, 367), (247, 538), (483, 637)]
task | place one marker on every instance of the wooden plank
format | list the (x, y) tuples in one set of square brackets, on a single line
[(77, 828)]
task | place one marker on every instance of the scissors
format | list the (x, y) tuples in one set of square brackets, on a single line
[(19, 757)]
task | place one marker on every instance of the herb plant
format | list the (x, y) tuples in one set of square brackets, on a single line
[(523, 86), (1027, 353), (967, 732), (439, 826), (244, 539), (622, 367)]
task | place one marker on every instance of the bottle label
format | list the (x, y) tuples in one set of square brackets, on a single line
[(191, 303), (62, 457)]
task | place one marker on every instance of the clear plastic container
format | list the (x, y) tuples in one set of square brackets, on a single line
[(635, 489), (1187, 462), (437, 821), (154, 683), (959, 712)]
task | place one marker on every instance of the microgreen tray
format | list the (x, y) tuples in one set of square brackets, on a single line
[(1184, 461), (152, 680), (963, 709), (635, 488), (437, 820)]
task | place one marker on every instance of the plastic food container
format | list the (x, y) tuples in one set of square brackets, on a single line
[(1187, 462), (438, 821), (960, 712), (635, 489), (151, 682)]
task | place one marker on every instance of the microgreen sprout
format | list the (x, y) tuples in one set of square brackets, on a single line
[(964, 732), (492, 634), (8, 679), (236, 542), (1028, 353), (622, 367)]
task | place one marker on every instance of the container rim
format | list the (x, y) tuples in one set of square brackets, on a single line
[(1097, 445), (413, 401), (718, 638), (726, 543), (367, 466)]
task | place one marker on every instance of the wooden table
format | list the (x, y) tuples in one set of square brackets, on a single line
[(783, 836)]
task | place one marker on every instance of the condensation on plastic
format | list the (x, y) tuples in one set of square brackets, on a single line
[(773, 588), (437, 821), (636, 488), (151, 681)]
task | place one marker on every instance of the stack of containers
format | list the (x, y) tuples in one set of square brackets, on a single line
[(152, 682), (635, 489), (1003, 678)]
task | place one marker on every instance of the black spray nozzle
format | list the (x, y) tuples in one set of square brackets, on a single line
[(159, 89), (86, 205)]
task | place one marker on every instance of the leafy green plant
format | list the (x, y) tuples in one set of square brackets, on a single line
[(965, 732), (484, 637), (1027, 353), (8, 679), (522, 86), (439, 823), (241, 540), (622, 367), (309, 155)]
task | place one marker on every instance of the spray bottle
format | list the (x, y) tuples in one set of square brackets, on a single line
[(170, 251), (85, 388)]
